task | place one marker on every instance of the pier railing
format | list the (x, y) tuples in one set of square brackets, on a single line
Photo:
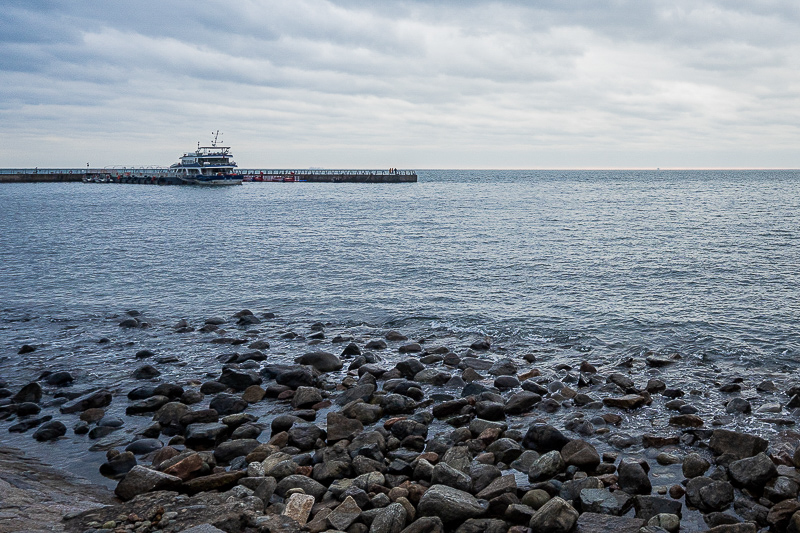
[(157, 171)]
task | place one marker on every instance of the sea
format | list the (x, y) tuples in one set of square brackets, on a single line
[(578, 265)]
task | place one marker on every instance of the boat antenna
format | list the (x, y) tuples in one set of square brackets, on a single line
[(215, 134)]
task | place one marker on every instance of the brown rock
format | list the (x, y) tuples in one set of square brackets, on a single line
[(220, 481), (686, 421), (186, 468), (253, 394), (601, 523), (298, 507), (629, 401)]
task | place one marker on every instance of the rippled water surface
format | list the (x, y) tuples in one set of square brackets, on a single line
[(704, 263)]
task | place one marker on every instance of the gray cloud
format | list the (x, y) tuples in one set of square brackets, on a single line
[(618, 83)]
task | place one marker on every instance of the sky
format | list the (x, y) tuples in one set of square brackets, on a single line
[(540, 84)]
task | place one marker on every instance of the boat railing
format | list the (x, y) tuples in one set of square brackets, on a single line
[(325, 172)]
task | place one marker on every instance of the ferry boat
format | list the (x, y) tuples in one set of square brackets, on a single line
[(208, 165)]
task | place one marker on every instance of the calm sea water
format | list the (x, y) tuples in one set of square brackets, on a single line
[(696, 262)]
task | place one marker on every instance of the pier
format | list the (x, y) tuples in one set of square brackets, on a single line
[(163, 176)]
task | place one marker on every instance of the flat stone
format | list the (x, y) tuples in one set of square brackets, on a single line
[(345, 514), (601, 523), (298, 507)]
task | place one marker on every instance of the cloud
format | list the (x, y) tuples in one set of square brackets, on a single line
[(441, 84)]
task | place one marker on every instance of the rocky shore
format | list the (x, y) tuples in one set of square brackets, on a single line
[(386, 434)]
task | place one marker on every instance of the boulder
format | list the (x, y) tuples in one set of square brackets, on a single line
[(322, 361), (632, 478), (227, 404), (100, 398), (600, 523), (544, 438), (237, 380), (581, 454), (546, 467), (555, 516), (449, 504), (739, 445), (140, 480), (50, 431), (298, 507), (753, 472), (390, 519), (308, 485)]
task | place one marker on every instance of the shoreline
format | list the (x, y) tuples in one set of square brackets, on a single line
[(392, 426)]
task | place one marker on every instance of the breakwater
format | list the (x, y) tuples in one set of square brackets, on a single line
[(160, 176)]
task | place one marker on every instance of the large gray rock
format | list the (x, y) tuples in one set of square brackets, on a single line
[(546, 466), (231, 449), (632, 478), (322, 361), (444, 474), (308, 485), (544, 438), (140, 480), (100, 398), (753, 472), (227, 404), (603, 501), (451, 505), (238, 380), (306, 397), (739, 445), (581, 454), (556, 516), (345, 514), (390, 519), (600, 523)]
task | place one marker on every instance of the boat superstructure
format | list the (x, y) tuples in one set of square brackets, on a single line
[(208, 165)]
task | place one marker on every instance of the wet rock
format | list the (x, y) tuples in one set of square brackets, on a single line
[(306, 397), (27, 409), (169, 415), (581, 454), (201, 416), (140, 480), (146, 372), (503, 367), (148, 405), (600, 523), (342, 428), (738, 445), (100, 398), (481, 345), (305, 436), (25, 425), (50, 431), (605, 502), (628, 401), (118, 466), (412, 347), (490, 410), (502, 485), (555, 516), (238, 381), (144, 446), (649, 506), (544, 438), (632, 478), (666, 521), (505, 450), (686, 421), (716, 496), (521, 402), (129, 323), (753, 472), (227, 404), (449, 504), (390, 519), (59, 378), (546, 466), (308, 485), (205, 435), (322, 361), (295, 377), (694, 465), (221, 481), (738, 405), (444, 474)]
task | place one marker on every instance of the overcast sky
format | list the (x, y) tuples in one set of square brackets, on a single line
[(410, 84)]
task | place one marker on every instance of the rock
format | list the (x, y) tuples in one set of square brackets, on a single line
[(753, 472), (484, 525), (716, 496), (628, 401), (25, 425), (605, 502), (146, 372), (205, 434), (308, 485), (298, 507), (739, 445), (227, 404), (744, 527), (253, 394), (544, 438), (148, 405), (238, 381), (231, 449), (503, 367), (305, 436), (694, 465), (295, 377), (547, 466), (556, 516), (521, 402), (345, 514), (59, 378), (686, 421), (449, 504), (444, 474), (632, 478), (187, 467), (738, 405), (412, 347), (390, 519), (306, 397), (322, 361), (144, 446), (481, 345), (32, 392), (129, 323), (50, 431), (28, 409), (118, 466), (667, 521), (100, 398), (170, 414), (342, 428), (501, 485), (650, 506), (140, 480), (599, 523), (581, 454), (220, 481)]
